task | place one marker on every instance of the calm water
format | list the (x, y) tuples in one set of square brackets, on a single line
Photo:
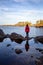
[(8, 56)]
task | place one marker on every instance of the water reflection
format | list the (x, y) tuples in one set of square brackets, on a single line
[(27, 45)]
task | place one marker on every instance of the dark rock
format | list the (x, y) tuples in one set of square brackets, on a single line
[(12, 48), (28, 38), (40, 50), (18, 51), (2, 33), (31, 56), (39, 39), (8, 45), (16, 37), (39, 61), (1, 39), (7, 36)]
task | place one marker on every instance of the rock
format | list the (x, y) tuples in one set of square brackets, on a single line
[(8, 45), (2, 33), (31, 56), (39, 39), (28, 38), (18, 51), (1, 39), (39, 61), (16, 37), (39, 49)]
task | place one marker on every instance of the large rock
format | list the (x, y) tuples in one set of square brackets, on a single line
[(16, 37), (2, 35), (39, 39)]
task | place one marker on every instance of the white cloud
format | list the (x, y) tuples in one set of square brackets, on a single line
[(24, 15)]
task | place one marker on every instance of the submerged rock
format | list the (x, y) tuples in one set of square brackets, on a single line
[(39, 39), (39, 61), (39, 49), (8, 45), (16, 37), (18, 51)]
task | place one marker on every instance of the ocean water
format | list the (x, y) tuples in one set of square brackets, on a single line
[(29, 54), (21, 30)]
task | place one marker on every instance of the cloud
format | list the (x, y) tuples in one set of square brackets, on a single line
[(24, 15)]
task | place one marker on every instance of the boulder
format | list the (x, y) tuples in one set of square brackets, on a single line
[(2, 35), (28, 38), (39, 39), (16, 37)]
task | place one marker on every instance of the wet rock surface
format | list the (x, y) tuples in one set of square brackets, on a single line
[(8, 45), (39, 39), (18, 51), (16, 37), (2, 33), (39, 61), (40, 50), (28, 38)]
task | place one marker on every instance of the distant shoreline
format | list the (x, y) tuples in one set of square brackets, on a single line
[(22, 26)]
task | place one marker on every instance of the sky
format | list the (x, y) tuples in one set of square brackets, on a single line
[(13, 11)]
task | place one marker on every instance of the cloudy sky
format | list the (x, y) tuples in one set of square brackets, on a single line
[(13, 11)]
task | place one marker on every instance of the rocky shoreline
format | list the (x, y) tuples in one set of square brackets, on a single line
[(18, 38)]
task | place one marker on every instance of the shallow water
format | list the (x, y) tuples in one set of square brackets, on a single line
[(29, 54)]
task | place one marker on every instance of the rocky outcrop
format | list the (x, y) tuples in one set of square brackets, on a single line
[(39, 61), (2, 35), (16, 37), (39, 39)]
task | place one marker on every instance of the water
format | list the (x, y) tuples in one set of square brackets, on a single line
[(29, 54), (21, 30)]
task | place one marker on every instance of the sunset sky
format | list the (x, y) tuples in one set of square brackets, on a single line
[(13, 11)]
